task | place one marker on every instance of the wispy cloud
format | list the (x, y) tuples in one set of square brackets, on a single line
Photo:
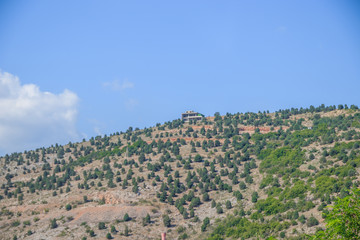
[(97, 126), (116, 85), (30, 118), (97, 131), (131, 103)]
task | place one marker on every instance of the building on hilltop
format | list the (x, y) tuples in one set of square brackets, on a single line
[(191, 116)]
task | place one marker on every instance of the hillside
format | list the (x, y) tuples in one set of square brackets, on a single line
[(243, 175)]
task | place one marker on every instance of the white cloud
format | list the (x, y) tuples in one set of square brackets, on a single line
[(30, 118), (116, 85)]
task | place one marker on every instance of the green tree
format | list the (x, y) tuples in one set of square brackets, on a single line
[(228, 204), (192, 213), (101, 225), (108, 236), (142, 158), (312, 221), (206, 223), (206, 197), (185, 214), (146, 220), (166, 220), (238, 195), (217, 116), (92, 233), (213, 203), (219, 210), (126, 231), (343, 220), (170, 200), (198, 158), (126, 217), (254, 197), (53, 223), (68, 207)]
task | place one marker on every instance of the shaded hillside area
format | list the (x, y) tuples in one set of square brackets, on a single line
[(237, 176)]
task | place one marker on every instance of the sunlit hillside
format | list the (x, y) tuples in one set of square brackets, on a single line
[(236, 176)]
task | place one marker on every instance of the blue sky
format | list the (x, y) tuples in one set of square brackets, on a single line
[(76, 69)]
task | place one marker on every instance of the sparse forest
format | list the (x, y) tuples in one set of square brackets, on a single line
[(281, 175)]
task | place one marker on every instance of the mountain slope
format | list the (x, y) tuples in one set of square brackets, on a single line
[(274, 173)]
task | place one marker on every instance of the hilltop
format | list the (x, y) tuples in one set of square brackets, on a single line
[(243, 175)]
